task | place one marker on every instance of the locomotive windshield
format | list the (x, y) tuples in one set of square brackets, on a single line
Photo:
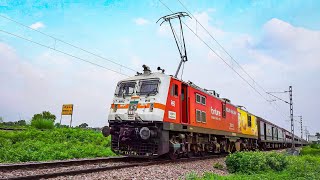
[(148, 87), (125, 88)]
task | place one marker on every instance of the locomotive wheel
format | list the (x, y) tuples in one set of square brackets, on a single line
[(173, 155), (204, 153), (190, 154)]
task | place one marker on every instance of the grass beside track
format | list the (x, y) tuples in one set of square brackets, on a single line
[(55, 144), (270, 165)]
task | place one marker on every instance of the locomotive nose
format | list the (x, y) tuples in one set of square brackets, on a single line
[(106, 131)]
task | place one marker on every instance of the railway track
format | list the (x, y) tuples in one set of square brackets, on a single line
[(55, 169)]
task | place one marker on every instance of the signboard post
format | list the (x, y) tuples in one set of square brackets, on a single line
[(67, 109)]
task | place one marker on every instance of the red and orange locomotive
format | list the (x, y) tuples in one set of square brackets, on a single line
[(153, 114)]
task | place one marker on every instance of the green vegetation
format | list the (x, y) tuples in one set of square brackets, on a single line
[(44, 115), (17, 124), (218, 166), (314, 150), (253, 162), (55, 144), (83, 125), (41, 123), (270, 165), (45, 120)]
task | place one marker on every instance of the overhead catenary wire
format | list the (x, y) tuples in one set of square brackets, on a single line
[(62, 52), (197, 22), (214, 52), (258, 92), (207, 31), (60, 40)]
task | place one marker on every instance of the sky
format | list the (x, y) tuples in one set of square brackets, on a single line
[(276, 42)]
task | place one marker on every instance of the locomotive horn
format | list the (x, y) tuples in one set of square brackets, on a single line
[(160, 69), (146, 69)]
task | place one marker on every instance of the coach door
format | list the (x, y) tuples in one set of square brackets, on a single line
[(184, 104)]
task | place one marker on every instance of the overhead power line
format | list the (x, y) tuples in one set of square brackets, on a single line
[(234, 60), (220, 57), (62, 52), (254, 82), (198, 22), (278, 98), (215, 52), (60, 40)]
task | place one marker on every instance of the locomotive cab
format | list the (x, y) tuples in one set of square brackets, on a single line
[(136, 114)]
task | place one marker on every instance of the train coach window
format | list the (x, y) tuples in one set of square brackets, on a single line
[(203, 100), (249, 120), (198, 115), (125, 88), (200, 99), (174, 90), (203, 117), (148, 87)]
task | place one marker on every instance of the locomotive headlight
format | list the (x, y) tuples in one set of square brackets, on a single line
[(145, 133)]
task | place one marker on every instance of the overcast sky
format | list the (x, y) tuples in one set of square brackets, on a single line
[(276, 42)]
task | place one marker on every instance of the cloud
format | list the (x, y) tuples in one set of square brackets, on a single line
[(141, 21), (297, 45), (50, 80), (37, 25)]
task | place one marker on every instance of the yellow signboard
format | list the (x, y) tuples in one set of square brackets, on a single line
[(67, 109)]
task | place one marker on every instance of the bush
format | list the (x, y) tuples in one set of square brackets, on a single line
[(315, 146), (294, 167), (304, 167), (56, 144), (21, 123), (41, 123), (313, 149), (254, 162), (276, 161), (44, 115)]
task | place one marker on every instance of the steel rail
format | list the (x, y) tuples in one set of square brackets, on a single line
[(61, 163), (108, 168)]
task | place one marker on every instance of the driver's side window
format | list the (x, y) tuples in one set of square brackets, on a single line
[(174, 90)]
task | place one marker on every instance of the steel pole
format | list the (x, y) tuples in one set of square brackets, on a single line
[(71, 120), (291, 116), (306, 132), (301, 127)]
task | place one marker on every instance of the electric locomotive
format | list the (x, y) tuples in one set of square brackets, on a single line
[(153, 114)]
